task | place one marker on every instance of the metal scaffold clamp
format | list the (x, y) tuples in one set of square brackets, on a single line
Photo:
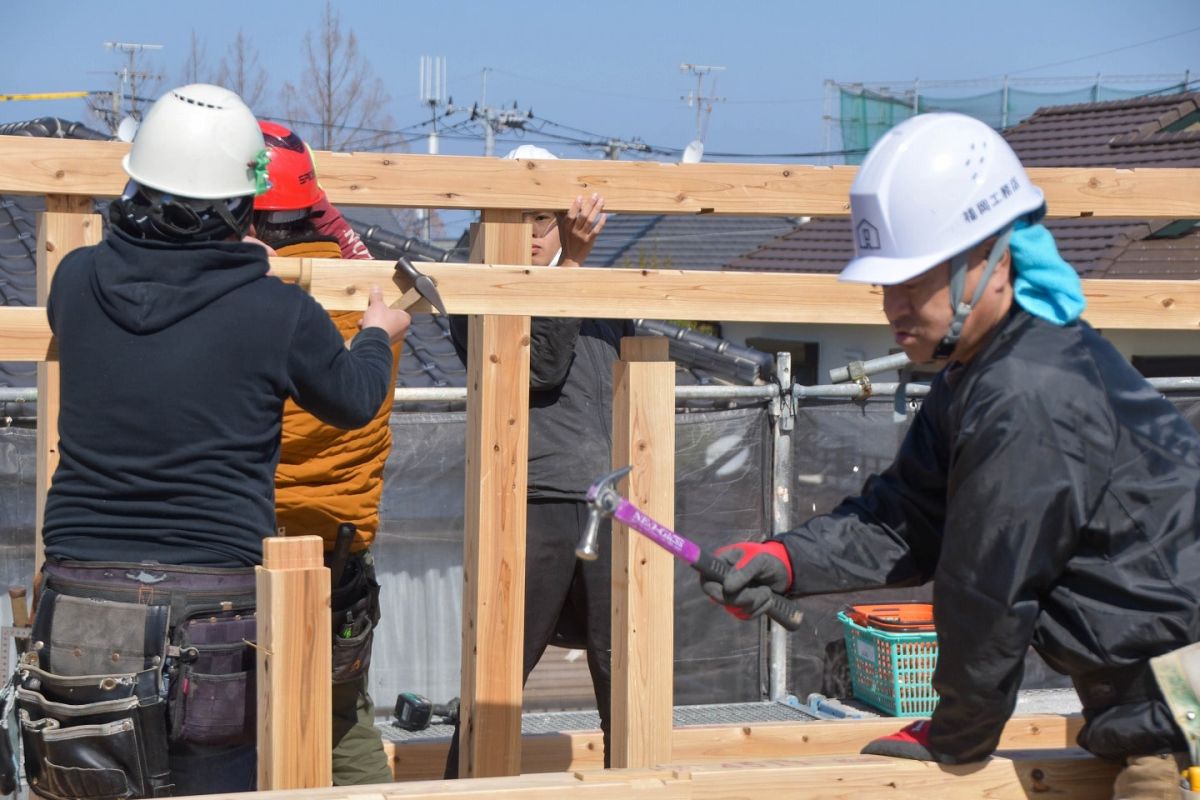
[(858, 374)]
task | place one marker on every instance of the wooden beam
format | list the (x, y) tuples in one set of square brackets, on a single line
[(1016, 775), (422, 759), (494, 521), (786, 298), (493, 288), (1009, 776), (60, 230), (30, 165), (643, 574), (295, 725)]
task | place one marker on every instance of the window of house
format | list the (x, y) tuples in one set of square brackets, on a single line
[(804, 356), (1167, 366)]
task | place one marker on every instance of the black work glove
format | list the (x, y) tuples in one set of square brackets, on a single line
[(908, 742), (760, 569)]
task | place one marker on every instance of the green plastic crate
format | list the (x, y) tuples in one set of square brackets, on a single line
[(892, 671)]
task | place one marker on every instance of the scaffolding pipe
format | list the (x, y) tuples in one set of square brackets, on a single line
[(855, 392), (856, 370), (782, 424), (443, 394)]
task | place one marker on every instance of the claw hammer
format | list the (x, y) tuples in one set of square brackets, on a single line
[(604, 500)]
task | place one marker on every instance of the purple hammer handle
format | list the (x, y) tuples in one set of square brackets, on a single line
[(781, 609), (666, 538)]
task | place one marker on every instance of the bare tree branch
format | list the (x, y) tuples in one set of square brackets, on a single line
[(241, 72), (195, 68), (338, 91)]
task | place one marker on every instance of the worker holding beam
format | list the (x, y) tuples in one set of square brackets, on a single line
[(1044, 487), (329, 481), (177, 353)]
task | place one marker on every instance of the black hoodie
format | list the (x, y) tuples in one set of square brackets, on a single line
[(176, 360)]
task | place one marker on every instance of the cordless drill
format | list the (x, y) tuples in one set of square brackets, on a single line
[(414, 712)]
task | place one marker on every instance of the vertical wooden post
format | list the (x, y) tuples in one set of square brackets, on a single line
[(643, 576), (295, 725), (494, 511), (67, 224)]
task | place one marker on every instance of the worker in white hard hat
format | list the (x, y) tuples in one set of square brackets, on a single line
[(1044, 487), (177, 352), (570, 443)]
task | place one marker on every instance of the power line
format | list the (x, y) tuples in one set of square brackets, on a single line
[(582, 89), (1105, 52)]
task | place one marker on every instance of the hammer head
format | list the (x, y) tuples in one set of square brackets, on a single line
[(602, 500)]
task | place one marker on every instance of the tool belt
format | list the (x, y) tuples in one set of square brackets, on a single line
[(127, 659), (1105, 688), (354, 604)]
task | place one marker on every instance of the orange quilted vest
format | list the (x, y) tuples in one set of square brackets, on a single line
[(326, 475)]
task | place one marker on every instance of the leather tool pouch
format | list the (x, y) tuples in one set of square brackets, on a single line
[(10, 768), (90, 700), (355, 607), (213, 694)]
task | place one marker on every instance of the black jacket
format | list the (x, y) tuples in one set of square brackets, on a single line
[(570, 400), (175, 361), (1051, 495)]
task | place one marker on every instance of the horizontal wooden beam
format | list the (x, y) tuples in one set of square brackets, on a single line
[(1018, 775), (778, 297), (25, 335), (423, 759), (31, 165)]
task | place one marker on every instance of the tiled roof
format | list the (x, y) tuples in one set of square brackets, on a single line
[(1153, 131), (1095, 247), (681, 242), (1125, 133)]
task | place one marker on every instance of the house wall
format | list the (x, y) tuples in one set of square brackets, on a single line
[(840, 344)]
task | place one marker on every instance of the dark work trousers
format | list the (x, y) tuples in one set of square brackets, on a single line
[(567, 601)]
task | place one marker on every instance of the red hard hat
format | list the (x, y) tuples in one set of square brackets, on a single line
[(290, 171)]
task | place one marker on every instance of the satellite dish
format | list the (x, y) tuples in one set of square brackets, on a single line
[(693, 152), (127, 129)]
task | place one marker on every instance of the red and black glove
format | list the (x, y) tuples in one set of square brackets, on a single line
[(759, 570), (909, 742)]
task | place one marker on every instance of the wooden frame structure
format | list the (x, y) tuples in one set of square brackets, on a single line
[(500, 292)]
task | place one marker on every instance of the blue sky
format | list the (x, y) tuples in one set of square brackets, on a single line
[(613, 68)]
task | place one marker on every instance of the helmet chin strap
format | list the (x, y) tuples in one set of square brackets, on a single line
[(958, 282)]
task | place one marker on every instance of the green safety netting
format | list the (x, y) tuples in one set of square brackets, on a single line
[(867, 114)]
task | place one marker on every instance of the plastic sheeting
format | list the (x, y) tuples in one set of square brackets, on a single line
[(836, 446), (723, 494), (866, 115), (722, 467)]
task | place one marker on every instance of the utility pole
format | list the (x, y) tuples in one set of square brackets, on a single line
[(496, 120), (432, 80), (613, 148), (433, 93), (697, 98), (128, 78)]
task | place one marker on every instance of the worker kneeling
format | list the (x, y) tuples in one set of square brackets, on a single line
[(1047, 490)]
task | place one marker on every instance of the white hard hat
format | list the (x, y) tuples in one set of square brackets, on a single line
[(933, 187), (198, 141), (529, 151)]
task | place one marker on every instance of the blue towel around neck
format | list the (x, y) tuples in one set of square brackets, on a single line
[(1046, 285)]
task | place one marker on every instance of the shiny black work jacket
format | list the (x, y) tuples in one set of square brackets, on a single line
[(1050, 494)]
